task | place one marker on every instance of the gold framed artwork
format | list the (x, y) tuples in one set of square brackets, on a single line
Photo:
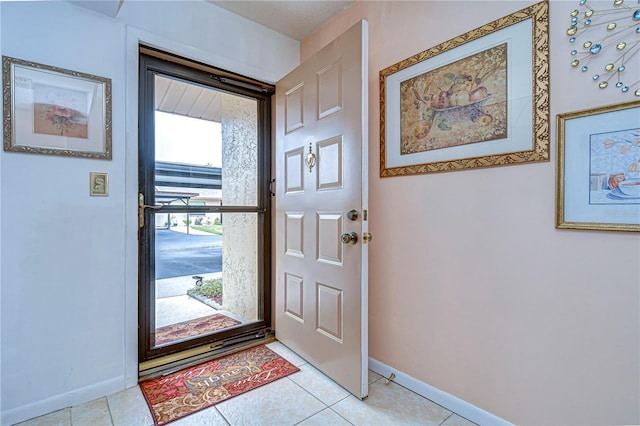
[(54, 111), (598, 176), (478, 100)]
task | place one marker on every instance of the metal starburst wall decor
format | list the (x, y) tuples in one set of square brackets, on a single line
[(606, 44)]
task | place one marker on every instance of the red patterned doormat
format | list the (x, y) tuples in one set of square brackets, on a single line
[(192, 328), (196, 388)]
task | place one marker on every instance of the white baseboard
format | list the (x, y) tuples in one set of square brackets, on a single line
[(58, 402), (448, 401)]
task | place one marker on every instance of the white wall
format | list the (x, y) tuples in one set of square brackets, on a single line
[(1, 110), (472, 289), (69, 277), (63, 274)]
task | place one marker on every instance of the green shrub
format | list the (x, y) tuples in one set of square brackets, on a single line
[(212, 229), (210, 288)]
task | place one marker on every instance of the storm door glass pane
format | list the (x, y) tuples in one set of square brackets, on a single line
[(206, 276), (205, 264)]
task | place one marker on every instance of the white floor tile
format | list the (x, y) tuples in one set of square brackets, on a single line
[(456, 420), (128, 408), (326, 417), (207, 417), (374, 377), (319, 385), (307, 397), (57, 418), (286, 353), (94, 413), (391, 404), (279, 403)]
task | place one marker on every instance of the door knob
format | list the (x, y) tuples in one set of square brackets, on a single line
[(351, 237), (366, 237)]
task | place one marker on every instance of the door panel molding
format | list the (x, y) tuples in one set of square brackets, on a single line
[(329, 311), (293, 230), (330, 90), (294, 108), (328, 231), (330, 164)]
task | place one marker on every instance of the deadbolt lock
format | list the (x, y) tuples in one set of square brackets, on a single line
[(352, 215), (350, 238)]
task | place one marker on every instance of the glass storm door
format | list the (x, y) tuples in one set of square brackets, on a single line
[(204, 211)]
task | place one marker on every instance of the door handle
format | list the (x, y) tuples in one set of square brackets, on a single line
[(350, 238), (141, 207)]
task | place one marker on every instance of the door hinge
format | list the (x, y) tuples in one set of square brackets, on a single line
[(271, 192)]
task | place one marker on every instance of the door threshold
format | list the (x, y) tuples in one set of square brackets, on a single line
[(171, 363)]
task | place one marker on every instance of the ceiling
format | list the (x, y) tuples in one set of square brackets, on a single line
[(177, 97), (296, 19), (293, 18)]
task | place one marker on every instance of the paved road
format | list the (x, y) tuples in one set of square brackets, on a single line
[(179, 254)]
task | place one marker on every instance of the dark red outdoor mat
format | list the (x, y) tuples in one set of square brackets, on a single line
[(192, 328), (195, 388)]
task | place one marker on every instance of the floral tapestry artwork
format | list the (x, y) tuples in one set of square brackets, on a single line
[(463, 102), (61, 112)]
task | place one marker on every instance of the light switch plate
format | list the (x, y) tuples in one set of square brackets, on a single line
[(98, 184)]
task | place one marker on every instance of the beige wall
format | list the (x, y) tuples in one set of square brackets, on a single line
[(472, 289), (239, 175)]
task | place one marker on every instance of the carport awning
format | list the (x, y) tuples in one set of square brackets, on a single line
[(168, 197)]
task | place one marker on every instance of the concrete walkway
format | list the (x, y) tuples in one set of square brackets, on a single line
[(173, 305), (178, 286)]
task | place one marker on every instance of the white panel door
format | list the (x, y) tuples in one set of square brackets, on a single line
[(321, 280)]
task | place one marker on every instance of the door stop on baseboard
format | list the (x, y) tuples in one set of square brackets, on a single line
[(389, 379)]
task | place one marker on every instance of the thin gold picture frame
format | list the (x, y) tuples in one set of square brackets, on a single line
[(55, 111), (598, 155), (471, 155)]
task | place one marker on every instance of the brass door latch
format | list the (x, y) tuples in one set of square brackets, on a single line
[(141, 207)]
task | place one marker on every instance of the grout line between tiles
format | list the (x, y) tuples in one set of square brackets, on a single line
[(321, 402), (450, 415), (338, 414), (416, 393), (222, 415), (108, 409), (340, 400)]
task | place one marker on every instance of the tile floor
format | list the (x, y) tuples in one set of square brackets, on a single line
[(305, 398)]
